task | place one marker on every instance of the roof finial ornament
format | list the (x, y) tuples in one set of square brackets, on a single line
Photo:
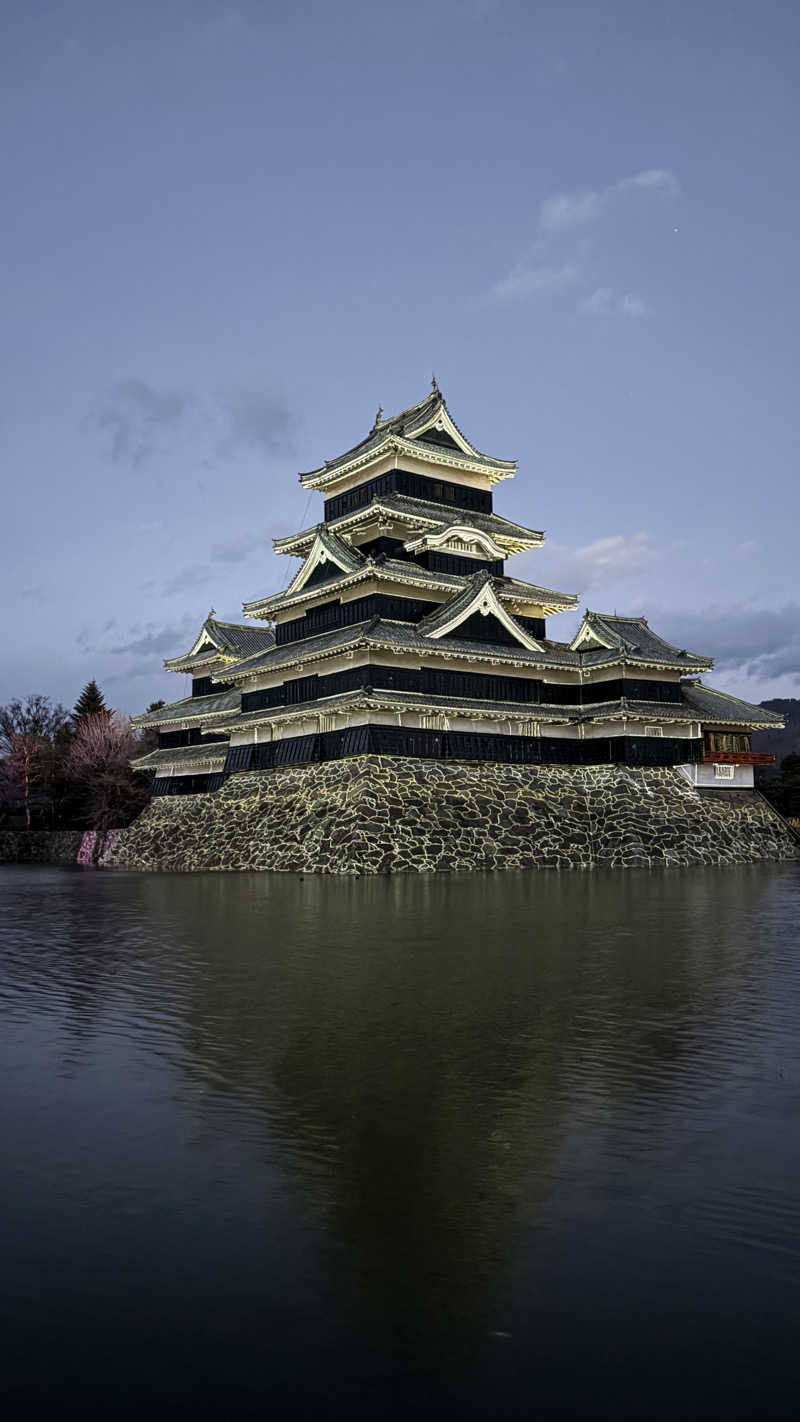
[(378, 417), (435, 385), (212, 613)]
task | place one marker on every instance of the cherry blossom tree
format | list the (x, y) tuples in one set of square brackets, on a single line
[(99, 758)]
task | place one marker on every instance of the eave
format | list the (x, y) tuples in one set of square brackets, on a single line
[(298, 544), (522, 595), (165, 758), (187, 712), (743, 725), (193, 664), (326, 478), (619, 658), (400, 702), (370, 570), (488, 654), (214, 720)]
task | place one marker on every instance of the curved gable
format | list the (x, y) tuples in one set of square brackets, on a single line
[(326, 548), (479, 597)]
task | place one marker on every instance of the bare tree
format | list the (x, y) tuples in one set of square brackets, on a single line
[(35, 716), (33, 736), (26, 767)]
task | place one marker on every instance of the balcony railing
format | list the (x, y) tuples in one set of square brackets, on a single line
[(713, 757)]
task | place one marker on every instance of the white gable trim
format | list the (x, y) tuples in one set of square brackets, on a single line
[(486, 601), (586, 633), (318, 554), (440, 420), (461, 533), (205, 636)]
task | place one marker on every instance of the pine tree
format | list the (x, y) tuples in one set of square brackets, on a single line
[(90, 702)]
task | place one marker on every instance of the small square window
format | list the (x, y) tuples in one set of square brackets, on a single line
[(724, 772)]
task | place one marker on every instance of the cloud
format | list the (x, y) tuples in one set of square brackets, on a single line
[(255, 418), (652, 179), (631, 305), (561, 214), (136, 416), (150, 640), (196, 575), (570, 210), (36, 595), (237, 549), (600, 303), (530, 281), (758, 642), (603, 302), (574, 209), (605, 560)]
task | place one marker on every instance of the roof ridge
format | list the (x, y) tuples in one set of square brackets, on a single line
[(239, 626), (434, 396), (617, 617)]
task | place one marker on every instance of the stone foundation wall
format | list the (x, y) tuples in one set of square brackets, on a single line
[(380, 815)]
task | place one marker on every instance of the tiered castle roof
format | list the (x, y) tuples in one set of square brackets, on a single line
[(221, 642), (425, 431), (204, 718)]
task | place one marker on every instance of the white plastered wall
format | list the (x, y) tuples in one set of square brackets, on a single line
[(705, 776)]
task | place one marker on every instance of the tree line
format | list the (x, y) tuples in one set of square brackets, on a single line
[(64, 769), (782, 786)]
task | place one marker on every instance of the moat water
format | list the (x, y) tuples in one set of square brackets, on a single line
[(508, 1146)]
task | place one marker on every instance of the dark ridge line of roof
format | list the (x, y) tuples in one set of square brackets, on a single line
[(396, 425)]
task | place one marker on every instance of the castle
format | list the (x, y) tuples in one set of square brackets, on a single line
[(402, 634)]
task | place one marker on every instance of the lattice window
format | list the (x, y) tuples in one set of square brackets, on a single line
[(435, 722), (724, 772), (654, 730)]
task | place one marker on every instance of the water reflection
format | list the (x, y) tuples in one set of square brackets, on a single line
[(432, 1112)]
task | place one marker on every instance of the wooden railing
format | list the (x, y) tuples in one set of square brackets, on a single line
[(713, 757)]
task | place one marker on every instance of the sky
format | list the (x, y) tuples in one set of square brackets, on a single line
[(231, 231)]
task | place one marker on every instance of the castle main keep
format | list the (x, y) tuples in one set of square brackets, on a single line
[(404, 639)]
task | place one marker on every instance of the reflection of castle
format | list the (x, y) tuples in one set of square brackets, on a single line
[(402, 634), (430, 1095)]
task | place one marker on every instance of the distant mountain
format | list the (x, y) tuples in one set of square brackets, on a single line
[(781, 743)]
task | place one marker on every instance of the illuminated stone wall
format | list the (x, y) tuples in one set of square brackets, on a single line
[(378, 815)]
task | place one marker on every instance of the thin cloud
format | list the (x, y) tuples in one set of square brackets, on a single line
[(615, 558), (196, 575), (236, 550), (603, 303), (152, 641), (562, 214), (255, 418), (652, 179), (762, 643), (574, 209), (531, 281), (138, 419), (137, 416), (631, 305), (570, 210)]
